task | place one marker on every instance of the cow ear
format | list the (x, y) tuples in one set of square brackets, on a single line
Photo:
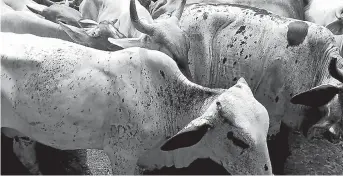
[(76, 34), (186, 138), (317, 96), (128, 42), (336, 27)]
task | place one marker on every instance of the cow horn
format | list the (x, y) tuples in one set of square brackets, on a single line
[(137, 23), (334, 71), (179, 10)]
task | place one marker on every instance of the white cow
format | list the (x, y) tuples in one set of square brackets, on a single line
[(110, 10), (59, 12), (21, 5), (327, 13), (28, 23), (72, 97)]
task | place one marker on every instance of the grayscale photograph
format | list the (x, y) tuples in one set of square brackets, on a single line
[(171, 87)]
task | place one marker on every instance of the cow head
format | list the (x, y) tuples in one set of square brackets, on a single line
[(232, 132), (329, 99), (57, 12), (336, 27), (95, 36), (164, 35)]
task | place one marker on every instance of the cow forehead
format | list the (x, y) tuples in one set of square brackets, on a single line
[(240, 107)]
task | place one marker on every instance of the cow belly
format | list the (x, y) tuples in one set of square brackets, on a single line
[(61, 135), (61, 139), (54, 115)]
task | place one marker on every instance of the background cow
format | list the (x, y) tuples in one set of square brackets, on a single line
[(286, 8), (281, 57)]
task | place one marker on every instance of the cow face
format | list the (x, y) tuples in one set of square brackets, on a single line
[(336, 27), (232, 132), (329, 99), (164, 35)]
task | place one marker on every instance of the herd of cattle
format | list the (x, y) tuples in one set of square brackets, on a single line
[(161, 84)]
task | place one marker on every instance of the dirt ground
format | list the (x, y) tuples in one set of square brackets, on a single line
[(314, 157), (307, 157)]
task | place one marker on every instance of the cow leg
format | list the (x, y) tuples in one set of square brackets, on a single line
[(24, 149)]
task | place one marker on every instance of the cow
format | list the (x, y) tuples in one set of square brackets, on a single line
[(326, 13), (27, 23), (69, 96), (290, 8), (5, 8), (103, 19), (59, 13), (279, 57), (156, 41), (316, 11), (20, 5), (329, 14), (70, 3), (110, 10), (22, 22)]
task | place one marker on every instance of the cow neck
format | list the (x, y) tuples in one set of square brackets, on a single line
[(192, 101)]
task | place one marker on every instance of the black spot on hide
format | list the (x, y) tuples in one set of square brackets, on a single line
[(257, 11), (224, 60), (241, 30), (162, 73), (205, 15), (297, 31)]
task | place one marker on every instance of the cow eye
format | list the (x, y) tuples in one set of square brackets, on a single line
[(237, 141)]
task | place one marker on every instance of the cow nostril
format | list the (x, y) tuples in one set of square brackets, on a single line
[(265, 167)]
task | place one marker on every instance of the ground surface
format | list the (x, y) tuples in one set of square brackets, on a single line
[(314, 157), (307, 157)]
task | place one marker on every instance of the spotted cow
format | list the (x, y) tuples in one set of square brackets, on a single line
[(287, 8), (280, 57), (72, 97)]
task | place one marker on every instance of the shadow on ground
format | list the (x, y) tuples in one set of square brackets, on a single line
[(314, 157), (52, 161)]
